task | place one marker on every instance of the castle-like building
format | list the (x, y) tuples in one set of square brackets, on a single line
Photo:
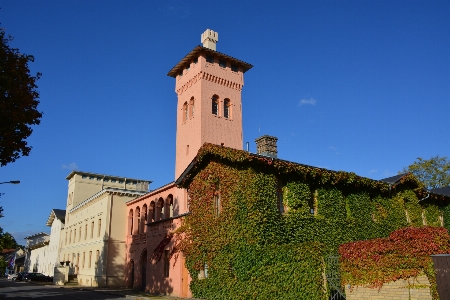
[(112, 224), (209, 110), (114, 232)]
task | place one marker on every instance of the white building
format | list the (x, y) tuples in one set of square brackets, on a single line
[(36, 256), (56, 222)]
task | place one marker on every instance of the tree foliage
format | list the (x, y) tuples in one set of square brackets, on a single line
[(433, 173), (18, 101)]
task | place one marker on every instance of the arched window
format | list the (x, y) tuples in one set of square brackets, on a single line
[(215, 105), (151, 212), (130, 223), (144, 218), (185, 111), (191, 107), (227, 108), (137, 220), (159, 214), (169, 207)]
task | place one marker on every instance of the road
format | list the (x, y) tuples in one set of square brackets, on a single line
[(22, 290)]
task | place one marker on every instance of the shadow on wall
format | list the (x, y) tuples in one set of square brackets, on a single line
[(157, 283), (27, 262), (109, 263), (146, 274), (176, 207)]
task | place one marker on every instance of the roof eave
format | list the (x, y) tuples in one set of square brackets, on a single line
[(174, 71)]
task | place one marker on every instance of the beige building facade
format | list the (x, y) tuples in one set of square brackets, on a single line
[(94, 237)]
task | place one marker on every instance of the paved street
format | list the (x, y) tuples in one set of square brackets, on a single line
[(22, 290)]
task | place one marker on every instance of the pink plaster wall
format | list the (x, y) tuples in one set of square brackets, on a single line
[(202, 81), (177, 284)]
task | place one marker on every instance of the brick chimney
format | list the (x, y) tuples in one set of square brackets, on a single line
[(267, 146), (209, 39)]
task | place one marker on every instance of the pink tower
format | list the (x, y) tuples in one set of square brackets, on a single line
[(209, 109)]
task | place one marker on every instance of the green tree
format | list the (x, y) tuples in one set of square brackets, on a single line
[(7, 241), (433, 172), (18, 101)]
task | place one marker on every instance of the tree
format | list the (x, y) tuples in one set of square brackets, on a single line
[(433, 173), (18, 101), (7, 241)]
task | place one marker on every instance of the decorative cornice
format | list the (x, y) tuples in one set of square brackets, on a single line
[(151, 193), (110, 191), (209, 77)]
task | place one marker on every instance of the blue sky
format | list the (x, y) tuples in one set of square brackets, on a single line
[(358, 86)]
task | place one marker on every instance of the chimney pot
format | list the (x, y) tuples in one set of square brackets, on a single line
[(267, 146), (209, 38)]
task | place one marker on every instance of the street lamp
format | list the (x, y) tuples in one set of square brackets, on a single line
[(12, 182)]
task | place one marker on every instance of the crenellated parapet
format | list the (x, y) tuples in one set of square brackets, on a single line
[(211, 78)]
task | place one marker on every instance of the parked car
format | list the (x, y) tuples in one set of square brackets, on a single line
[(16, 276), (37, 277)]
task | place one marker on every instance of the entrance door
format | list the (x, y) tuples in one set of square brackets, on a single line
[(184, 278)]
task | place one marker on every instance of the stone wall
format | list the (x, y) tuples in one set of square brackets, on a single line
[(410, 289)]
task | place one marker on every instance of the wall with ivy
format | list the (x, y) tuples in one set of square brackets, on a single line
[(252, 251)]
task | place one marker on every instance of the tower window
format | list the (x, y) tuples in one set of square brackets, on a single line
[(185, 111), (191, 107), (181, 73), (188, 66), (215, 105), (210, 59), (222, 63), (195, 60), (234, 68), (226, 108)]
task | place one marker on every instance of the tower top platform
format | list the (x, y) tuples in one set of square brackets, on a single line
[(200, 49)]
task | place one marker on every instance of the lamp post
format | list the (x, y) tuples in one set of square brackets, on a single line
[(12, 182)]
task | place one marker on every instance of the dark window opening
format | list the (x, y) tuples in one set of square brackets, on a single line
[(222, 63), (210, 59), (226, 108), (166, 263), (234, 68), (215, 105)]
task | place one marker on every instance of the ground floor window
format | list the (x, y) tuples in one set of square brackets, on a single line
[(166, 263)]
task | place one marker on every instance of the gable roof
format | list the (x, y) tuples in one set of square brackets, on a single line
[(394, 179), (36, 235), (210, 152), (443, 191), (60, 214)]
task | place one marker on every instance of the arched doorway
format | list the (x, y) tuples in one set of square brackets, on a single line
[(144, 269)]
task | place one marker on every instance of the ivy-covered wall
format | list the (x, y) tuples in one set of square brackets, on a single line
[(250, 250)]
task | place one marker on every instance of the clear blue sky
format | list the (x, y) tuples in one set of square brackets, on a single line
[(359, 86)]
